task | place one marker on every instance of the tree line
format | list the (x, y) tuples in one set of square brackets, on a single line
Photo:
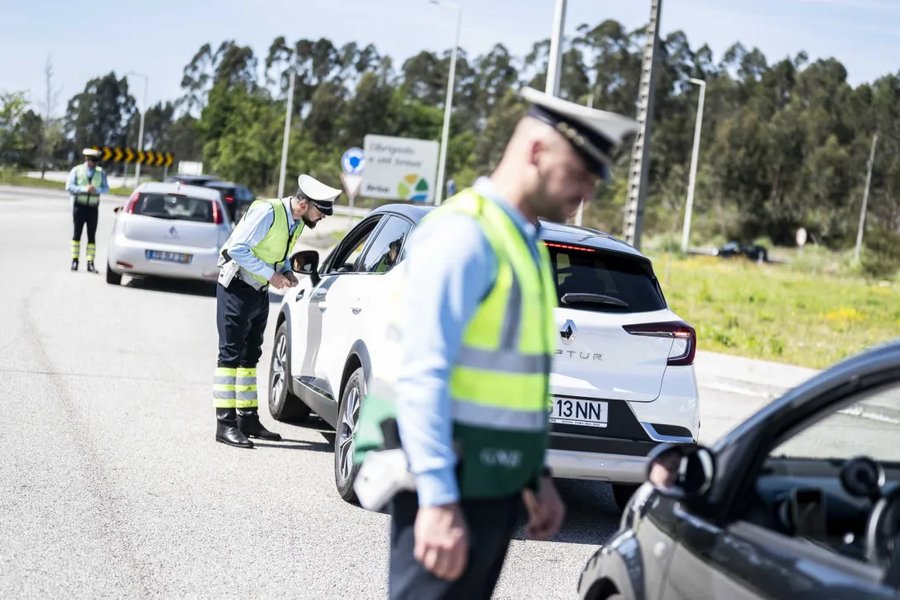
[(785, 144)]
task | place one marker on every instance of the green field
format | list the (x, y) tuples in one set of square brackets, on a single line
[(777, 312)]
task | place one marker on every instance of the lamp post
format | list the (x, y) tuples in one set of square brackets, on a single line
[(448, 105), (692, 178), (137, 169), (554, 65), (287, 134)]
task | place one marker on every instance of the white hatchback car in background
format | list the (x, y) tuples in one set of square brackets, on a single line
[(168, 230), (623, 377)]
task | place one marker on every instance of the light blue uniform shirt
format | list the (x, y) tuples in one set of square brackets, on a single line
[(251, 230), (451, 269), (82, 189)]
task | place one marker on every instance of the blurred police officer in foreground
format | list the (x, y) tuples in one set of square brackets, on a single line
[(255, 257), (86, 182), (475, 339)]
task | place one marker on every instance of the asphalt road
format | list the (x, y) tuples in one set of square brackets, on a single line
[(111, 484)]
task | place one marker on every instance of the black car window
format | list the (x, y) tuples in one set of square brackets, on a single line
[(346, 255), (592, 279), (175, 207), (869, 427), (384, 251)]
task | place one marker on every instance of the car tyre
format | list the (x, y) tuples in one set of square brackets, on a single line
[(345, 470), (112, 277), (283, 404), (622, 493)]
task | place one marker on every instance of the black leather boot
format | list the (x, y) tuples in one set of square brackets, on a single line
[(227, 430), (90, 267), (248, 423), (74, 264)]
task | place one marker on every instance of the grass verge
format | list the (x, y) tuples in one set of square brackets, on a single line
[(11, 177), (777, 312)]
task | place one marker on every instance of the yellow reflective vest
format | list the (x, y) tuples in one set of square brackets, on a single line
[(499, 383)]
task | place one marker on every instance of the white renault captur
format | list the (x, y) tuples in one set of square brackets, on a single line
[(623, 378)]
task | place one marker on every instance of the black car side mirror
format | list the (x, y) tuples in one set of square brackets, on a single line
[(306, 262), (681, 470)]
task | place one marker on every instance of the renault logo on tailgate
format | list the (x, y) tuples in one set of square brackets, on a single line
[(568, 332)]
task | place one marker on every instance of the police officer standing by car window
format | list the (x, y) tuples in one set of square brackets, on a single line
[(85, 183), (255, 257), (476, 339)]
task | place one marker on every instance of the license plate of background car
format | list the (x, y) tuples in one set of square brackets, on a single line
[(176, 257), (571, 411)]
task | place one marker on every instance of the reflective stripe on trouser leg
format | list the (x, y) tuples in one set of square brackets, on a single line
[(91, 251), (223, 387), (245, 388), (76, 249)]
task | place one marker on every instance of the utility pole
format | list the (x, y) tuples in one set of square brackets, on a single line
[(287, 134), (865, 202), (640, 153), (48, 75), (692, 178)]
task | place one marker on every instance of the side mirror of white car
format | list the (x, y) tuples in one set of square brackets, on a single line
[(306, 262)]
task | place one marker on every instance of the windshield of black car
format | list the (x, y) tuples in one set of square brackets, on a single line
[(175, 206), (600, 281)]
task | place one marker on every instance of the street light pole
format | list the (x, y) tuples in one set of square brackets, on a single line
[(692, 178), (287, 134), (137, 169), (448, 105), (554, 66)]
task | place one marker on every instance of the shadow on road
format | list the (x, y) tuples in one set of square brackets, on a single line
[(591, 513), (173, 286), (288, 444)]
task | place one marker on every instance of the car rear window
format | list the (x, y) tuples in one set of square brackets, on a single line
[(595, 280), (175, 206)]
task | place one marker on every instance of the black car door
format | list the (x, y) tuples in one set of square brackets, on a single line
[(796, 532)]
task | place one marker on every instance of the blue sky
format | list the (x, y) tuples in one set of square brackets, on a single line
[(89, 38)]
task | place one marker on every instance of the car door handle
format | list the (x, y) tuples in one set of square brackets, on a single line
[(300, 295), (356, 309)]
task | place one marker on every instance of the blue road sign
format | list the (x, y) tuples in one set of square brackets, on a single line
[(353, 161)]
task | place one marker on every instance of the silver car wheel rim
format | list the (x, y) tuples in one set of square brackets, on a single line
[(348, 426), (278, 367)]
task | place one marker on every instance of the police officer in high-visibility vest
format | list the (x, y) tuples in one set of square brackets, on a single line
[(255, 257), (85, 183), (476, 335)]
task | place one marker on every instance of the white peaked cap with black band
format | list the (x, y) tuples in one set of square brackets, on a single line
[(595, 134), (90, 152), (321, 195)]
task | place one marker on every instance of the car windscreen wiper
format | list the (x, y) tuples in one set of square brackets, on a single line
[(571, 298)]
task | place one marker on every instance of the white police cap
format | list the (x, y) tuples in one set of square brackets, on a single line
[(321, 195), (90, 152), (595, 134)]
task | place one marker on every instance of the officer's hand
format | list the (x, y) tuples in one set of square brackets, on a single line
[(279, 281), (91, 189), (545, 511), (292, 278), (442, 543)]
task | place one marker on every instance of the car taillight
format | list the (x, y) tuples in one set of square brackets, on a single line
[(684, 344), (217, 214), (129, 208), (229, 199)]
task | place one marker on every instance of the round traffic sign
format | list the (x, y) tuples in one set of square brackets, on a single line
[(353, 161)]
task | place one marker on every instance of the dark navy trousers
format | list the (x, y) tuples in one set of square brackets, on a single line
[(491, 524), (241, 315)]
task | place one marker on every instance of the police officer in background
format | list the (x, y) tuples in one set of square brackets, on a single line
[(86, 182), (255, 257), (476, 337)]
